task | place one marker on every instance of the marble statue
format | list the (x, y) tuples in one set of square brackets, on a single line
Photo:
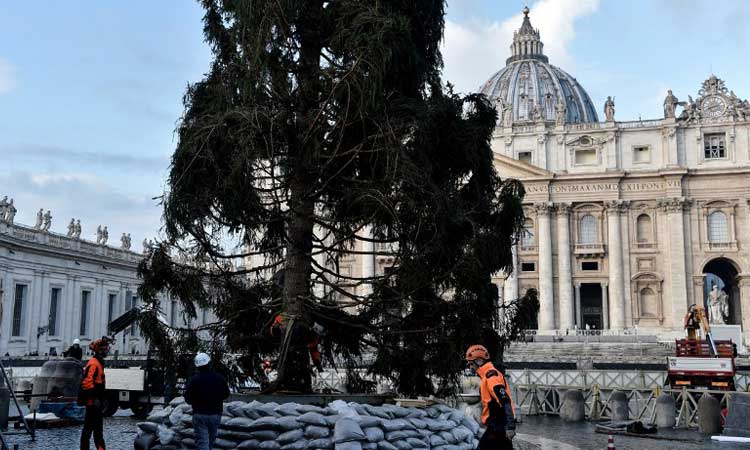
[(691, 112), (718, 306), (105, 235), (10, 212), (670, 103), (77, 232), (47, 221), (3, 206), (39, 219), (537, 114), (560, 111), (71, 228), (609, 109), (125, 241), (145, 245), (99, 234)]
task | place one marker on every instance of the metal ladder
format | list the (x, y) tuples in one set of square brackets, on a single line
[(31, 431)]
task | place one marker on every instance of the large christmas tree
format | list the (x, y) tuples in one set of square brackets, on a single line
[(323, 128)]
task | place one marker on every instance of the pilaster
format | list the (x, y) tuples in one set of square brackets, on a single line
[(617, 295), (565, 280), (677, 270)]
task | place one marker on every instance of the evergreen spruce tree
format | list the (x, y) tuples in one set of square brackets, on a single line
[(318, 121)]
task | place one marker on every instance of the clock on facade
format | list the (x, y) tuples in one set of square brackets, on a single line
[(713, 106)]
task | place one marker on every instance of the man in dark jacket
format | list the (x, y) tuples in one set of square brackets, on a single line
[(74, 351), (206, 392)]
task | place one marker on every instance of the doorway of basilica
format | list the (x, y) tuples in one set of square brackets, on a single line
[(591, 306), (722, 272)]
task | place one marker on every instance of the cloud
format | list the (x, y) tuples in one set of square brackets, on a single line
[(47, 154), (83, 196), (474, 49), (7, 77)]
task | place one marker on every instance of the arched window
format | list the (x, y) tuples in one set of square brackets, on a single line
[(718, 229), (588, 229), (644, 231), (649, 308), (527, 236)]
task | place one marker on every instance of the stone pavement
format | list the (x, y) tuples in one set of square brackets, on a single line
[(119, 434)]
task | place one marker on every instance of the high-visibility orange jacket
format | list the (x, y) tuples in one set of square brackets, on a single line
[(497, 403), (93, 382)]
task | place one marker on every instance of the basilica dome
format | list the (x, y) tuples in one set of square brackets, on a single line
[(532, 89)]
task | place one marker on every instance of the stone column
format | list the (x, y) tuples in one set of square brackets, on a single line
[(605, 306), (546, 294), (676, 267), (510, 288), (744, 285), (368, 260), (617, 305), (565, 277), (579, 316)]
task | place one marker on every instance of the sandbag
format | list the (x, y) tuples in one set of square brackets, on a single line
[(471, 424), (269, 445), (165, 435), (374, 434), (159, 415), (148, 427), (313, 418), (369, 446), (250, 410), (175, 417), (331, 420), (419, 423), (436, 440), (165, 447), (296, 445), (369, 421), (315, 432), (395, 411), (323, 444), (177, 401), (290, 436), (240, 423), (189, 443), (417, 413), (351, 445), (250, 444), (402, 445), (224, 420), (144, 441), (385, 445), (264, 435), (304, 409), (377, 412), (347, 430), (417, 443), (343, 409), (234, 409), (462, 434), (224, 444), (396, 425), (267, 409), (289, 423), (466, 446), (448, 437), (287, 409)]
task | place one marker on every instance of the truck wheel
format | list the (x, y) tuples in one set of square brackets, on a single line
[(111, 406), (140, 410)]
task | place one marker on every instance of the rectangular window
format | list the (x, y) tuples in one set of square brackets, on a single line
[(18, 309), (586, 157), (641, 154), (111, 309), (525, 157), (713, 146), (54, 306), (528, 267), (85, 297), (590, 266)]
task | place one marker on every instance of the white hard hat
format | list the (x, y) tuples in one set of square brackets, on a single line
[(76, 341), (202, 359)]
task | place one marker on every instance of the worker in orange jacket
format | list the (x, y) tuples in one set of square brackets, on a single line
[(92, 395), (498, 412)]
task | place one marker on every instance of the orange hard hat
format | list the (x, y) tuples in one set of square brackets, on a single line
[(99, 344), (477, 351)]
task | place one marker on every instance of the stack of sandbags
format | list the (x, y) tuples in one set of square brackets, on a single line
[(292, 426)]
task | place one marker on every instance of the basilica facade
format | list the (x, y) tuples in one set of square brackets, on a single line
[(628, 222)]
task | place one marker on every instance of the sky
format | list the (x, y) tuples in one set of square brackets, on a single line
[(91, 91)]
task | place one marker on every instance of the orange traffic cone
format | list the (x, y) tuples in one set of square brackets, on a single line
[(610, 443)]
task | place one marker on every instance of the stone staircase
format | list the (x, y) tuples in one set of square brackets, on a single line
[(597, 352)]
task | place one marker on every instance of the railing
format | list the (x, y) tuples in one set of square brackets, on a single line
[(718, 246), (589, 249), (583, 126), (536, 399), (640, 123), (524, 128)]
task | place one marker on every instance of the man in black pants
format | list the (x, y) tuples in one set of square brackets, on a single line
[(92, 395), (206, 393)]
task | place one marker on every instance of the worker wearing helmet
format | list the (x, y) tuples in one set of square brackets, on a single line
[(74, 351), (498, 412), (92, 395), (206, 392)]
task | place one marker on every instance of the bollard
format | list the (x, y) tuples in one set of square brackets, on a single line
[(573, 408), (665, 411), (709, 414), (610, 442), (619, 406)]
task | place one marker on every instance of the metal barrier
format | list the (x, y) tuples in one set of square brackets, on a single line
[(537, 399)]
